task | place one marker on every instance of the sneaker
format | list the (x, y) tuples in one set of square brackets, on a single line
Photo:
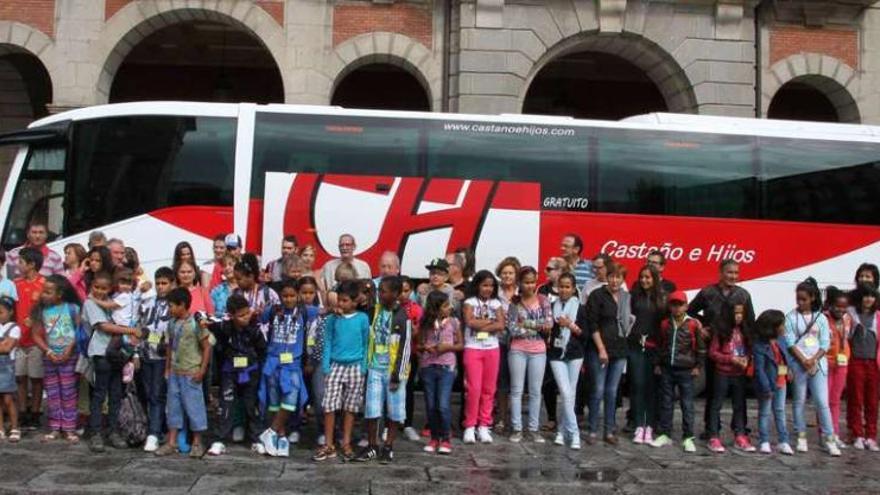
[(165, 450), (592, 438), (716, 446), (322, 440), (366, 454), (689, 445), (764, 448), (151, 444), (516, 437), (871, 445), (445, 448), (840, 443), (785, 449), (269, 439), (257, 448), (363, 443), (649, 434), (560, 439), (283, 447), (324, 453), (117, 441), (611, 439), (411, 434), (426, 432), (387, 455), (575, 443), (293, 438), (661, 441), (639, 436), (468, 436), (96, 444), (217, 448), (238, 434), (197, 451), (347, 453), (802, 444), (859, 443), (537, 437), (384, 434), (742, 443), (432, 446), (484, 434), (832, 449)]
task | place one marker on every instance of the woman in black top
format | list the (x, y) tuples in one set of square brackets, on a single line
[(648, 305)]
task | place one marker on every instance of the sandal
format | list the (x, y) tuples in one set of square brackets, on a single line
[(14, 435), (50, 437), (71, 437)]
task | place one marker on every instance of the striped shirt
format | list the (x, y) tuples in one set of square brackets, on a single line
[(583, 272), (53, 264)]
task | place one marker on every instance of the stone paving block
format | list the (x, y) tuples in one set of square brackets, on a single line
[(673, 477), (775, 489)]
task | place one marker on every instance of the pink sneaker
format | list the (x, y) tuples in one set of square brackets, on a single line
[(743, 443), (639, 436), (716, 446), (432, 446), (649, 435)]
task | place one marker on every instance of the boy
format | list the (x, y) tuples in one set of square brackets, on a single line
[(681, 353), (185, 368), (28, 357), (154, 317), (346, 335), (388, 365), (240, 349)]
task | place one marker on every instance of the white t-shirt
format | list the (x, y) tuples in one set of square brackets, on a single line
[(10, 330), (125, 314), (328, 273), (482, 309)]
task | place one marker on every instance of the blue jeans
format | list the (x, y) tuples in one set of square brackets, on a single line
[(153, 374), (437, 382), (818, 385), (317, 396), (185, 398), (566, 374), (606, 380), (776, 405), (671, 378), (522, 364)]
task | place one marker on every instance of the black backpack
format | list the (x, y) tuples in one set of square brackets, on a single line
[(132, 422)]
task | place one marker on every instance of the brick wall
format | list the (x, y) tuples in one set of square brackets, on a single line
[(113, 6), (275, 8), (39, 14), (841, 44), (353, 19)]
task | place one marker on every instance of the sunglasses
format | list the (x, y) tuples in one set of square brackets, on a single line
[(550, 269)]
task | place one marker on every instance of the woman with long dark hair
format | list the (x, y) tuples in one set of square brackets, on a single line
[(648, 307)]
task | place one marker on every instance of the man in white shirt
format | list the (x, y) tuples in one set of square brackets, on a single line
[(347, 246)]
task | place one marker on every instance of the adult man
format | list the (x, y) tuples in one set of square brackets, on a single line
[(233, 245), (456, 275), (599, 265), (117, 252), (37, 234), (572, 247), (347, 245), (657, 260), (97, 239), (274, 269), (212, 271)]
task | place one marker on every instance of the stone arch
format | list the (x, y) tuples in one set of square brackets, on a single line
[(387, 48), (657, 64), (836, 80), (16, 37), (137, 20)]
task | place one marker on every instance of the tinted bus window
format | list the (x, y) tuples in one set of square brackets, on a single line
[(39, 195), (129, 166)]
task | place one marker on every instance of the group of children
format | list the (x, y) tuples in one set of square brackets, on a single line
[(277, 350)]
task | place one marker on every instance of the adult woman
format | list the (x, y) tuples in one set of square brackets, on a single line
[(187, 277), (609, 317), (212, 272), (529, 321), (307, 257), (554, 268), (507, 289), (183, 251), (648, 303)]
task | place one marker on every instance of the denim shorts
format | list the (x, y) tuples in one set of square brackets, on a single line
[(379, 394), (276, 397), (186, 396)]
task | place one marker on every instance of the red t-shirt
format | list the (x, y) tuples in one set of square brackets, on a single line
[(28, 295)]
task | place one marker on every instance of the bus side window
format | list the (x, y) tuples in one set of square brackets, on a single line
[(39, 195)]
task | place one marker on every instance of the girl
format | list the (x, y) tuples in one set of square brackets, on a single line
[(226, 287), (9, 335), (440, 338), (187, 276), (529, 321), (247, 274), (566, 357), (840, 321), (506, 272), (98, 259), (609, 320), (863, 377), (308, 292), (648, 303), (868, 273), (309, 297), (771, 375), (807, 338), (729, 353), (56, 318), (74, 255), (484, 319)]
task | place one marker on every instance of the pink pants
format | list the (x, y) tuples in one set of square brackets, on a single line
[(836, 384), (481, 378)]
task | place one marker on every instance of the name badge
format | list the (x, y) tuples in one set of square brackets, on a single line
[(154, 338), (381, 349), (782, 370), (240, 362), (811, 341), (482, 335), (286, 357), (842, 360), (557, 343), (310, 341)]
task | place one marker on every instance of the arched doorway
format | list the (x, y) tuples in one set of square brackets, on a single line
[(200, 60), (381, 86), (26, 90), (813, 98)]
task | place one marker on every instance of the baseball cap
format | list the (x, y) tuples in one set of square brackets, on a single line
[(232, 241), (438, 264), (678, 296)]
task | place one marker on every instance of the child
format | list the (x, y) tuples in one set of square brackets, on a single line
[(28, 358), (729, 353), (240, 349), (56, 318), (566, 355), (484, 319), (346, 336), (9, 335), (7, 287), (284, 390), (863, 377), (807, 338), (259, 296), (308, 295), (344, 272), (221, 292), (388, 358), (841, 323), (415, 312), (771, 375), (153, 321), (440, 338), (187, 363), (680, 355)]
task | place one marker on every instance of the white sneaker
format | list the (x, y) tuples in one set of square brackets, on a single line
[(785, 449), (871, 445), (258, 449), (484, 434), (859, 443), (293, 438), (217, 448), (832, 449), (363, 443), (661, 441), (384, 435), (802, 445), (840, 443), (639, 435), (322, 440), (576, 443), (152, 444), (238, 434), (468, 436), (764, 448), (269, 439), (283, 447), (411, 434), (560, 439)]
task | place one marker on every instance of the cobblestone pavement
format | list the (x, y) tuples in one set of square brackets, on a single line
[(502, 468)]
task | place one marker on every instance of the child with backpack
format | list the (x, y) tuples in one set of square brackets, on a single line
[(154, 318), (771, 374), (9, 335)]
